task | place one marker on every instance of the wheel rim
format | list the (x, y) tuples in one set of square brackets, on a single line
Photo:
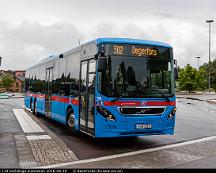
[(71, 121)]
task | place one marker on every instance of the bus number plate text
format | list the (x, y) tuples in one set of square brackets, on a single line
[(143, 126)]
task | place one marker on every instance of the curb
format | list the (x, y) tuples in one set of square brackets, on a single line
[(16, 97)]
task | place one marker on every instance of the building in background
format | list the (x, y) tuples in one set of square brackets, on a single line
[(19, 79)]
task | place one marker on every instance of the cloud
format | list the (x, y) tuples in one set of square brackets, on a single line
[(28, 43), (189, 39)]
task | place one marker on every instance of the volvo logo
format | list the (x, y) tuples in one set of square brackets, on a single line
[(143, 103), (142, 111)]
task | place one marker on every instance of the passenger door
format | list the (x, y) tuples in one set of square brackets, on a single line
[(87, 93), (48, 93)]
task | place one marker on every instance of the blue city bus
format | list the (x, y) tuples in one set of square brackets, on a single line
[(109, 87)]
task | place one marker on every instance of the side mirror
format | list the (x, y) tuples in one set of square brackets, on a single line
[(175, 73), (175, 69), (101, 64)]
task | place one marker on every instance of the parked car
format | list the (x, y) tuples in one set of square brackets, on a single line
[(9, 94), (3, 96)]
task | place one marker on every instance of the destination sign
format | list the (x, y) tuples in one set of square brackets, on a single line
[(136, 50), (144, 51)]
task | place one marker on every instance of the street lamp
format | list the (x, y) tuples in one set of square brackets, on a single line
[(209, 22), (198, 61)]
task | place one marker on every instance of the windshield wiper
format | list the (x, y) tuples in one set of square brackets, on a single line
[(167, 99), (117, 98)]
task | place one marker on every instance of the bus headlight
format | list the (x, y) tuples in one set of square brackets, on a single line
[(106, 114), (172, 113)]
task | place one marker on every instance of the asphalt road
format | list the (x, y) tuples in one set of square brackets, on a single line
[(195, 119), (8, 128)]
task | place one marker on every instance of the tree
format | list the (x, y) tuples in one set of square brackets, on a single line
[(205, 69), (191, 79), (188, 79), (213, 74), (7, 81), (202, 79)]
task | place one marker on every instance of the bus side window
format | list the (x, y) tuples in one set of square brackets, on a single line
[(62, 89), (67, 89)]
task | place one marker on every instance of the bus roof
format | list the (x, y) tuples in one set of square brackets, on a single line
[(106, 40), (131, 41)]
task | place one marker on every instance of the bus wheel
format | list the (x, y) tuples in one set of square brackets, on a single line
[(71, 121), (31, 105), (35, 109)]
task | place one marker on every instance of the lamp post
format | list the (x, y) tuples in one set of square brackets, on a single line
[(198, 61), (209, 22)]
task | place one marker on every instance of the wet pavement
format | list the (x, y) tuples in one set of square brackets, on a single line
[(174, 156), (195, 119), (8, 128), (23, 143)]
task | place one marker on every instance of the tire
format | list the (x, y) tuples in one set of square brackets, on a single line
[(31, 105), (70, 122), (34, 111)]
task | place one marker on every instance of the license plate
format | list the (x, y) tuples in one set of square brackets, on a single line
[(143, 126)]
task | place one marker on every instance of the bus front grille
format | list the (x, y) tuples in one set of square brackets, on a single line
[(142, 111)]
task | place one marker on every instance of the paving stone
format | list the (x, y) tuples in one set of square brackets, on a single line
[(26, 159), (47, 152)]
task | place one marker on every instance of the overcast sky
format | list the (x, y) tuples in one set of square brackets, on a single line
[(31, 30)]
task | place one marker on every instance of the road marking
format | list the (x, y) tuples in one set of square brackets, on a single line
[(129, 153), (38, 137), (27, 124)]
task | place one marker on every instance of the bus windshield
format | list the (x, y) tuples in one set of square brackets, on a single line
[(128, 76)]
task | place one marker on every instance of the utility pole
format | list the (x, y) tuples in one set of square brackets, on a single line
[(209, 22)]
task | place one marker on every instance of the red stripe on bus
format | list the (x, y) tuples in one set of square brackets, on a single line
[(109, 103), (75, 101), (172, 103), (136, 103), (60, 99)]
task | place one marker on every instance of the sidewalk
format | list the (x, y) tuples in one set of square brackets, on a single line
[(24, 143), (45, 147), (200, 153)]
